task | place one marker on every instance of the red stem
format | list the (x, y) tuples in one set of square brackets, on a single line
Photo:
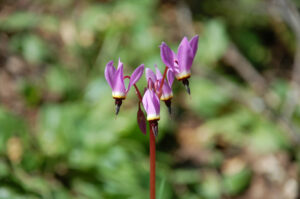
[(152, 164), (137, 91), (162, 82)]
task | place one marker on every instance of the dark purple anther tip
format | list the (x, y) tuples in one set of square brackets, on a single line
[(168, 104), (154, 127), (186, 85), (118, 103)]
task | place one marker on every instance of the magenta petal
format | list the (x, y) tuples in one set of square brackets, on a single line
[(109, 73), (136, 75), (151, 105), (150, 75), (166, 92), (171, 77), (151, 84), (156, 103), (145, 100), (141, 119), (120, 64), (194, 44), (158, 73), (119, 85), (167, 55), (185, 55)]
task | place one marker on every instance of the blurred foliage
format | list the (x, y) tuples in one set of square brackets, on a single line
[(59, 137)]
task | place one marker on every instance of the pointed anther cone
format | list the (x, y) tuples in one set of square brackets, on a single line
[(186, 85), (154, 127), (168, 104), (118, 103)]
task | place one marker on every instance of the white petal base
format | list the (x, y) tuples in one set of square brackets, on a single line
[(183, 75)]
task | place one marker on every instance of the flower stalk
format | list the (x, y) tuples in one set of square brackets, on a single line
[(152, 164), (152, 145)]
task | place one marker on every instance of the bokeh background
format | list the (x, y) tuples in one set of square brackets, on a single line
[(237, 135)]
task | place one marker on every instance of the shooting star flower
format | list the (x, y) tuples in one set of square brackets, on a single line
[(167, 93), (181, 62), (115, 79), (152, 107)]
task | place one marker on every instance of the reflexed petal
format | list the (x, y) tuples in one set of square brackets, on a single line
[(194, 44), (156, 103), (167, 55), (151, 105), (120, 64), (171, 77), (166, 92), (109, 73), (136, 75), (151, 84), (158, 73), (119, 85), (185, 55), (150, 74)]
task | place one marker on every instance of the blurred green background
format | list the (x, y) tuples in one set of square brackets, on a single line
[(236, 136)]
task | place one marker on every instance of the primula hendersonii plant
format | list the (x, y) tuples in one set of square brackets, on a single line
[(115, 79), (181, 62), (159, 87)]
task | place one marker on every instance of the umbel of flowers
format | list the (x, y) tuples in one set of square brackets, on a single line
[(159, 87)]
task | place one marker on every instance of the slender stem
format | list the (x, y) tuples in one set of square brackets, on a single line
[(137, 91), (153, 147), (162, 82), (152, 139), (152, 165)]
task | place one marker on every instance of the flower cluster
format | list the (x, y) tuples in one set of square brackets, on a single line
[(159, 86)]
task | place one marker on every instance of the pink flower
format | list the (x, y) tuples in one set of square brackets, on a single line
[(181, 62), (152, 106), (115, 79), (167, 93)]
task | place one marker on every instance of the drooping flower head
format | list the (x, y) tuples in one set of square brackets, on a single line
[(167, 93), (115, 79), (181, 62), (152, 106)]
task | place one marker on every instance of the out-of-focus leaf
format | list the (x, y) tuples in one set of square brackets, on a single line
[(58, 80), (19, 21), (11, 125), (31, 47), (32, 93), (35, 49), (238, 182), (211, 186), (185, 176), (87, 190), (253, 47), (94, 17), (35, 184), (266, 138), (212, 42), (207, 98), (49, 23), (4, 169), (59, 127)]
